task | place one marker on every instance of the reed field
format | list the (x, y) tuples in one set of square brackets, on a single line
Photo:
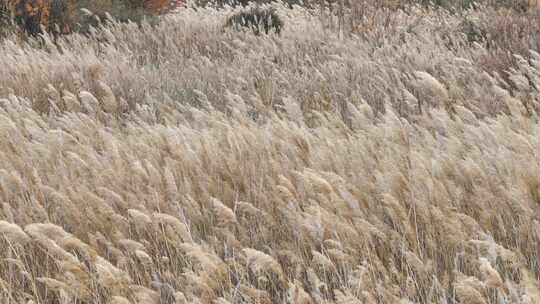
[(365, 155)]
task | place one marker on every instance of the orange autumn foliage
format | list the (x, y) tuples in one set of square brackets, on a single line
[(59, 15)]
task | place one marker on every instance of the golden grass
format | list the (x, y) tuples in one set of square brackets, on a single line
[(192, 164)]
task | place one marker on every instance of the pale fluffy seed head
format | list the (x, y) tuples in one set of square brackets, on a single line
[(13, 233)]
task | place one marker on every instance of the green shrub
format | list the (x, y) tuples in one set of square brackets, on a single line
[(258, 20)]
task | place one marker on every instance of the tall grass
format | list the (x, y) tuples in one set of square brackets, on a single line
[(188, 163)]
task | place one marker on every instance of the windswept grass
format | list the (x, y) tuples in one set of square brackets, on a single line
[(190, 163)]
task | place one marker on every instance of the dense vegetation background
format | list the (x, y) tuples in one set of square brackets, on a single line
[(372, 152)]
